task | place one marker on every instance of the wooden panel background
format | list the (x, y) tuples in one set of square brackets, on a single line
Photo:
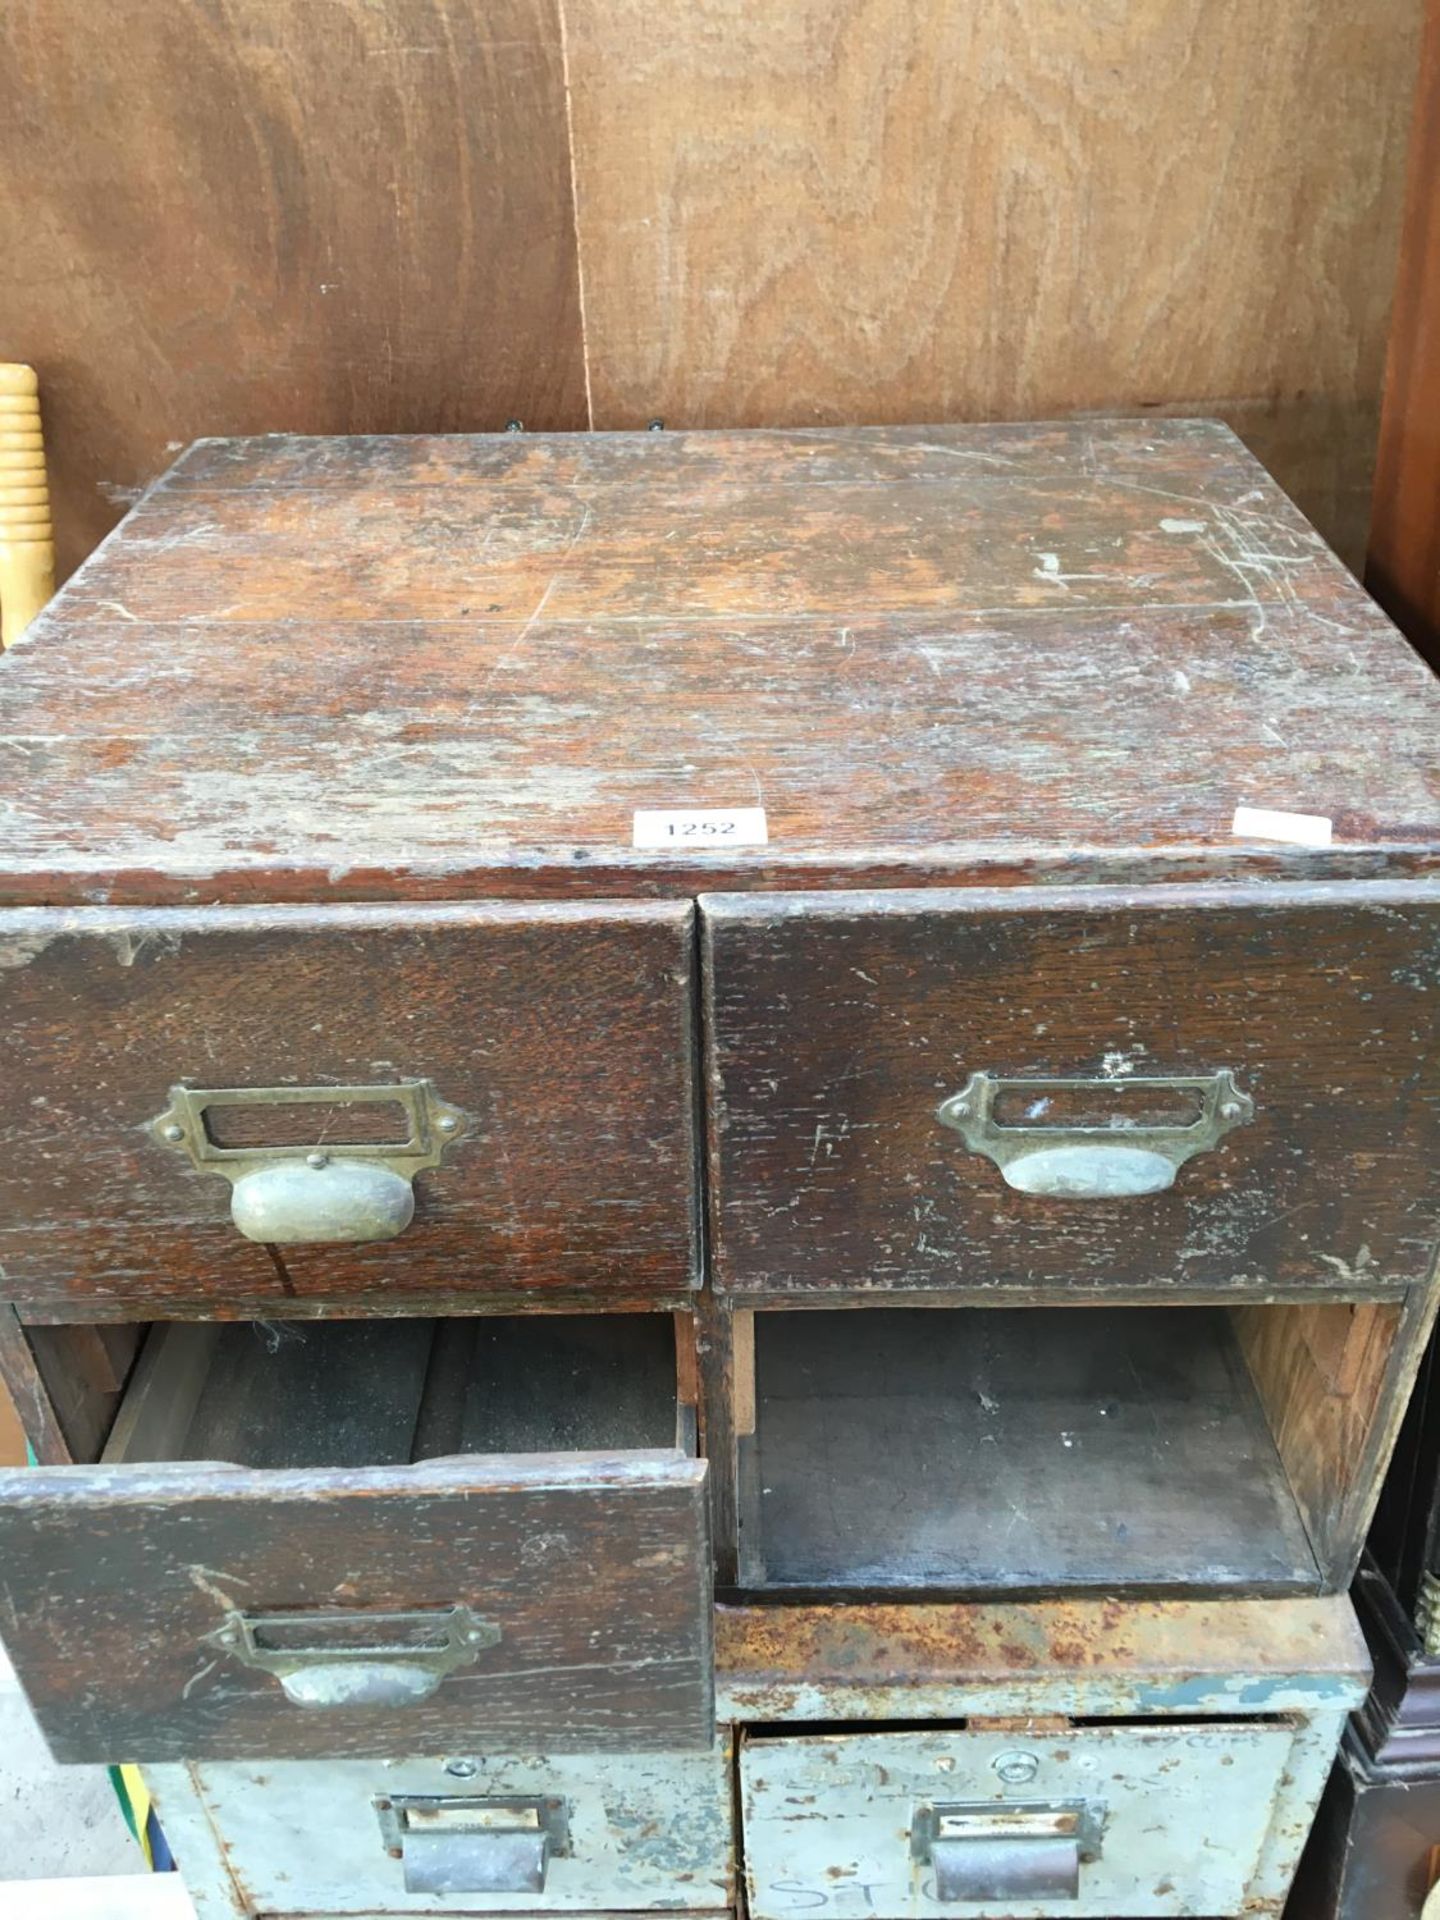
[(223, 216), (248, 216), (1403, 570)]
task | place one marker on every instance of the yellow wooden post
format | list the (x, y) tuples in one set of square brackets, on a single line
[(27, 550)]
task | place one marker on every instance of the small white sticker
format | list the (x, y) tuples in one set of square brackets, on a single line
[(1264, 823), (701, 827)]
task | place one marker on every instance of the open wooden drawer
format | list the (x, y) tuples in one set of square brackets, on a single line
[(366, 1537), (955, 1451)]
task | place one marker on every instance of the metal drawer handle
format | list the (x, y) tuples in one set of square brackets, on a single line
[(326, 1194), (344, 1659), (473, 1844), (1093, 1162), (1001, 1851)]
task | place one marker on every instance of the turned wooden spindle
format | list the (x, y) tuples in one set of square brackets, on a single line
[(27, 549)]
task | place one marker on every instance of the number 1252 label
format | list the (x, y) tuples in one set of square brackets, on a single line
[(701, 827)]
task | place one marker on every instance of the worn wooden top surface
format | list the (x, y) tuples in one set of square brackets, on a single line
[(419, 668)]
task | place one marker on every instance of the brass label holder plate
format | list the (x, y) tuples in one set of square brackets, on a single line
[(328, 1192)]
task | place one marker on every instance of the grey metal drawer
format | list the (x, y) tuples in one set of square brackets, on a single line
[(469, 1834), (1142, 1818)]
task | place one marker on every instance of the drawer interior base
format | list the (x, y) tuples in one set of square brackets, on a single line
[(354, 1393), (993, 1449)]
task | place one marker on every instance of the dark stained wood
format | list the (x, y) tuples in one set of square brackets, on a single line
[(594, 1566), (159, 1408), (383, 1392), (1371, 1853), (82, 1379), (259, 215), (66, 1382), (837, 1023), (562, 1032), (715, 1350), (1403, 564), (551, 1382), (26, 1387), (310, 1394), (386, 669), (1399, 1723), (1040, 1449)]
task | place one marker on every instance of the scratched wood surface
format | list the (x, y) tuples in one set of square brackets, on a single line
[(419, 668), (877, 210), (562, 1032), (838, 1023), (595, 1568), (255, 215)]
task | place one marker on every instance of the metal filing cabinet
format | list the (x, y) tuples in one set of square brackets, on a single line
[(681, 1201)]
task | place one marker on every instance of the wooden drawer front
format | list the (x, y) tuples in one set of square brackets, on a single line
[(585, 1577), (631, 1833), (1170, 1821), (840, 1023), (561, 1034)]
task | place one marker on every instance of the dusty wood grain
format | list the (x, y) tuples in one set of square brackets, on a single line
[(882, 211), (431, 668), (562, 1032), (838, 1023), (1403, 562), (85, 1403), (274, 214), (595, 1568), (1322, 1373)]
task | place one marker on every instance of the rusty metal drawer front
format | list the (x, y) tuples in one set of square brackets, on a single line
[(199, 1611), (1079, 1089), (231, 1108), (621, 1834), (1103, 1822)]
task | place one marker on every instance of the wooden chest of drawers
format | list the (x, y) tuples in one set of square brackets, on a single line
[(608, 1016)]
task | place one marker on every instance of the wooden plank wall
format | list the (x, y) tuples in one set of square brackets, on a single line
[(245, 216), (1403, 568), (224, 216)]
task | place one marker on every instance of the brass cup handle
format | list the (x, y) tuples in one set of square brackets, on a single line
[(397, 1659), (1094, 1162), (326, 1195)]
